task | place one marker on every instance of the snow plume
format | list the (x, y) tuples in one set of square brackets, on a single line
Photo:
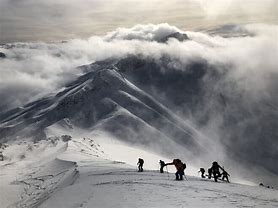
[(245, 84), (37, 68), (32, 69)]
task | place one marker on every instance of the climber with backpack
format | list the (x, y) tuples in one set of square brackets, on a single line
[(162, 165), (140, 164), (214, 170), (180, 168)]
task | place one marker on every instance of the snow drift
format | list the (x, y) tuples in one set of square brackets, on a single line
[(65, 171)]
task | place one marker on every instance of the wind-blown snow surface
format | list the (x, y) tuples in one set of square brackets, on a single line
[(98, 172)]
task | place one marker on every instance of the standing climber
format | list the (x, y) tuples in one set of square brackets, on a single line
[(162, 164), (214, 170), (140, 164), (202, 170), (180, 168)]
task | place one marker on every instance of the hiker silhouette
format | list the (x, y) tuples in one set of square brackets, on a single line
[(162, 165), (225, 176), (180, 168), (202, 170), (140, 164), (215, 171)]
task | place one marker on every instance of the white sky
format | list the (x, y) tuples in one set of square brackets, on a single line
[(25, 20)]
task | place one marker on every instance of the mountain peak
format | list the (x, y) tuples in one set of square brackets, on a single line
[(177, 35), (102, 98)]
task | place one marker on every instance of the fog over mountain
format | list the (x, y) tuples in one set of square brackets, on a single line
[(220, 91)]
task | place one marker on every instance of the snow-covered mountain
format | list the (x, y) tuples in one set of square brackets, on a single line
[(81, 142), (131, 99), (103, 99)]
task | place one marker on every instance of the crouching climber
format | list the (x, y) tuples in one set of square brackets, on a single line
[(225, 176), (202, 171), (214, 170), (180, 168)]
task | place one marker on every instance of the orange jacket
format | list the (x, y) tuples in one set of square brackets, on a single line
[(178, 164)]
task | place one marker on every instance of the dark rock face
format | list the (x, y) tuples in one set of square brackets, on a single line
[(179, 36), (2, 55), (174, 87)]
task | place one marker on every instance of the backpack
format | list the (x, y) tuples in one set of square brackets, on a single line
[(141, 161), (183, 166), (178, 160)]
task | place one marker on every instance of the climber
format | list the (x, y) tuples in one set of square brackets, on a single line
[(162, 164), (214, 170), (180, 168), (202, 170), (140, 164)]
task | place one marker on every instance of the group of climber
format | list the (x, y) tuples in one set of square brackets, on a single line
[(214, 171), (180, 166)]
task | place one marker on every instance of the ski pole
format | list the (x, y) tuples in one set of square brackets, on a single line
[(167, 172)]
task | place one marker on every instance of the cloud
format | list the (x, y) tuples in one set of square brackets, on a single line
[(251, 58), (44, 67), (148, 32)]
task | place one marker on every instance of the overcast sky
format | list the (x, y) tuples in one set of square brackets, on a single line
[(50, 20)]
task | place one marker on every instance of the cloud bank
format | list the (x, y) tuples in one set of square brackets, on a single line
[(31, 69)]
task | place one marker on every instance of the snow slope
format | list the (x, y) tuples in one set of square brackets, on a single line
[(98, 172), (103, 99)]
